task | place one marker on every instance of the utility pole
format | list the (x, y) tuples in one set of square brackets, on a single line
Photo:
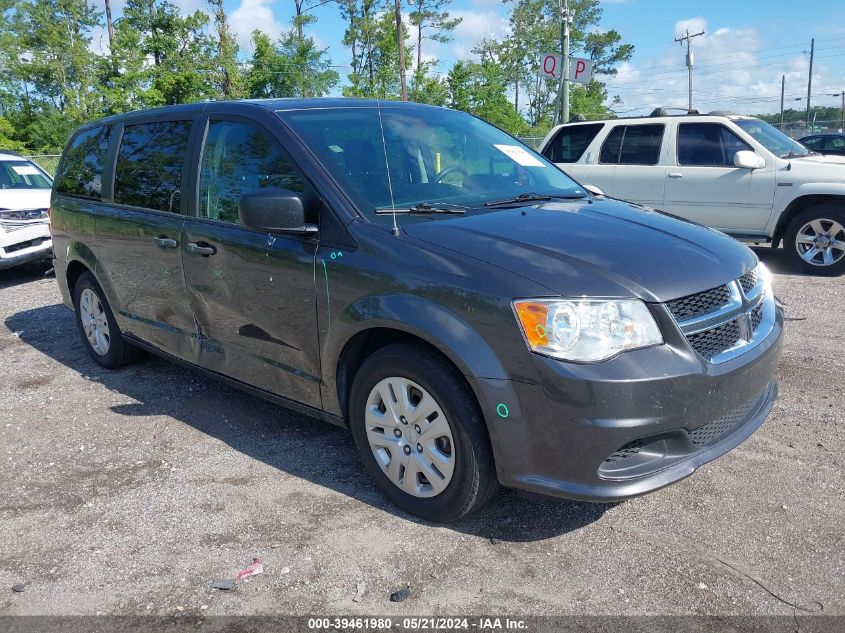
[(810, 80), (400, 41), (782, 86), (110, 27), (842, 122), (688, 39), (563, 86)]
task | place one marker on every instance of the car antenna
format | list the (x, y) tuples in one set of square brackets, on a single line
[(395, 229)]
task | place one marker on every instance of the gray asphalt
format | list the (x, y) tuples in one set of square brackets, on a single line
[(131, 491)]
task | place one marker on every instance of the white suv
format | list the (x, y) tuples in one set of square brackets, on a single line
[(734, 173), (24, 211)]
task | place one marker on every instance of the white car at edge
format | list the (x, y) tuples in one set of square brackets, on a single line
[(734, 173), (24, 211)]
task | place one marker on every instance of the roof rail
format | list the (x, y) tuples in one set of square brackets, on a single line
[(664, 111), (723, 113)]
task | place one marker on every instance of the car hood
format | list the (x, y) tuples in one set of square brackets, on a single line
[(831, 159), (598, 247), (16, 199)]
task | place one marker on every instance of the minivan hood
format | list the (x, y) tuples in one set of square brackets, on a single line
[(16, 199), (602, 248)]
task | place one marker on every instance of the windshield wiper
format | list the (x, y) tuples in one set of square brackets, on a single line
[(423, 208), (525, 198)]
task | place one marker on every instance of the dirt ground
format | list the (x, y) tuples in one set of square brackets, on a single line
[(131, 491)]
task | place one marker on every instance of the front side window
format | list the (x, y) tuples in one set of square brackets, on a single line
[(22, 174), (633, 145), (239, 158), (708, 145), (407, 156), (149, 165), (814, 142), (570, 143)]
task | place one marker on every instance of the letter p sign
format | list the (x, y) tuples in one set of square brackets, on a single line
[(580, 70)]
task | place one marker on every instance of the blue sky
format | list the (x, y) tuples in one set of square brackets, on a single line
[(738, 62)]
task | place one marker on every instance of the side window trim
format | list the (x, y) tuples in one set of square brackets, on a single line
[(621, 142)]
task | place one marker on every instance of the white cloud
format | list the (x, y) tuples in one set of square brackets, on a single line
[(251, 15), (474, 27)]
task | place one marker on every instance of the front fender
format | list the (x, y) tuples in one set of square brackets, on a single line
[(789, 195)]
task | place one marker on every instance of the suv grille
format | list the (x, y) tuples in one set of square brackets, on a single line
[(718, 427), (721, 322), (700, 303)]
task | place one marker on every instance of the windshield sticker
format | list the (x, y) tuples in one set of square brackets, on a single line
[(337, 149), (25, 170), (519, 155)]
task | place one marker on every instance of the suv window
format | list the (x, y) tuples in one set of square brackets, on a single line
[(569, 143), (81, 171), (149, 165), (633, 145), (708, 145), (814, 142), (239, 158)]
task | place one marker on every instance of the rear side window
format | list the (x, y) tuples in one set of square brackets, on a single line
[(708, 145), (81, 171), (570, 142), (149, 165), (836, 143), (633, 145)]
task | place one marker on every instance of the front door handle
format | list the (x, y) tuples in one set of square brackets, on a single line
[(166, 242), (200, 248), (675, 174)]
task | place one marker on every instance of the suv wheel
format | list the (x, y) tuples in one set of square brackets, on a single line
[(99, 331), (815, 240), (420, 434)]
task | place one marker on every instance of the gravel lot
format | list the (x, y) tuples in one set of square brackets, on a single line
[(129, 492)]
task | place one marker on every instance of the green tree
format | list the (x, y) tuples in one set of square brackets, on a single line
[(294, 67), (229, 81), (432, 22), (375, 56), (479, 88)]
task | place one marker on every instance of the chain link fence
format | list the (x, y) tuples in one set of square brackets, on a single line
[(799, 129), (47, 162)]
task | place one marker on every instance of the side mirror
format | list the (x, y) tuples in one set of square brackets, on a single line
[(748, 160), (593, 190), (275, 210)]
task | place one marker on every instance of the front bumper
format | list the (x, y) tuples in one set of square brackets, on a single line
[(27, 244), (628, 426)]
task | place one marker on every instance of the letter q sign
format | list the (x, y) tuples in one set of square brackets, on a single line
[(580, 69)]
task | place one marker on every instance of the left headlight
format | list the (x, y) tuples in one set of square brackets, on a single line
[(585, 330)]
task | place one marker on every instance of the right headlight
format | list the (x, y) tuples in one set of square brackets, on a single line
[(586, 330)]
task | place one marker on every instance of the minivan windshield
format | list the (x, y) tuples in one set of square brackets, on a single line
[(22, 174), (772, 138), (428, 161)]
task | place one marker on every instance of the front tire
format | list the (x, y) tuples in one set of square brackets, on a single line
[(97, 326), (815, 240), (419, 432)]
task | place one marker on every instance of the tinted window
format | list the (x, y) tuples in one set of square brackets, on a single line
[(81, 171), (633, 145), (813, 142), (570, 142), (707, 144), (836, 143), (22, 174), (239, 158), (149, 165), (612, 144)]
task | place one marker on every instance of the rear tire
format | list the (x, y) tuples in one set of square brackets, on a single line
[(426, 447), (97, 326), (815, 240)]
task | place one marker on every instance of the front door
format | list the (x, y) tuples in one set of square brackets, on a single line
[(705, 186), (138, 235), (252, 293)]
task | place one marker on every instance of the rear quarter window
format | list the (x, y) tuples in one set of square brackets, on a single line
[(149, 165), (81, 170), (570, 143)]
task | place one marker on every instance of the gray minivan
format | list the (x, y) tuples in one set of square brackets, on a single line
[(473, 315)]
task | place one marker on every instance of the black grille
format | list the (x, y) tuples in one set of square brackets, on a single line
[(748, 281), (718, 427), (713, 342), (699, 303), (756, 317), (629, 450)]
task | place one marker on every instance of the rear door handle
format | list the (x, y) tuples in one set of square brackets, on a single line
[(166, 242), (200, 248), (675, 174)]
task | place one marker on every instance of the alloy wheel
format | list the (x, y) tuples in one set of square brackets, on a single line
[(410, 437), (821, 242)]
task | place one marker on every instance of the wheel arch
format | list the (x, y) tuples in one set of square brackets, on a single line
[(798, 205)]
